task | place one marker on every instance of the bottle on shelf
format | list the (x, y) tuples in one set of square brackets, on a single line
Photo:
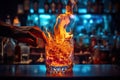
[(98, 6), (59, 7), (9, 51), (41, 59), (8, 19), (20, 16), (36, 6), (101, 7), (2, 41), (17, 56), (94, 7), (16, 21), (89, 6), (20, 9), (110, 7), (117, 7), (46, 6), (8, 47), (26, 5), (53, 7)]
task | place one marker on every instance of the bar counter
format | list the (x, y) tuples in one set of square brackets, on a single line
[(80, 71)]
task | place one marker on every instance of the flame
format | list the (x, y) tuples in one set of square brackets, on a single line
[(59, 47)]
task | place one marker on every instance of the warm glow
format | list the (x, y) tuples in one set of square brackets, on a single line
[(59, 47), (16, 21)]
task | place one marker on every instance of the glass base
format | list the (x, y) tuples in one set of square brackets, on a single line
[(59, 70)]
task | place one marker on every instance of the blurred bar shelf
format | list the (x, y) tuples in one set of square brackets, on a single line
[(23, 62)]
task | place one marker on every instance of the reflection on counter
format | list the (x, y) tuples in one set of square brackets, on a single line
[(78, 71)]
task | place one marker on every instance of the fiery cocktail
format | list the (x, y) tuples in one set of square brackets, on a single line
[(59, 56), (59, 48), (59, 45)]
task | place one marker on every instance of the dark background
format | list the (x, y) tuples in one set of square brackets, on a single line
[(8, 7)]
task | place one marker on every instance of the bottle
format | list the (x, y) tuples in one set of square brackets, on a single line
[(26, 6), (8, 20), (20, 9), (110, 7), (89, 7), (53, 7), (116, 39), (9, 51), (1, 49), (101, 7), (41, 59), (20, 15), (95, 7), (59, 7), (36, 6), (117, 7), (46, 6), (17, 56), (93, 41), (16, 21)]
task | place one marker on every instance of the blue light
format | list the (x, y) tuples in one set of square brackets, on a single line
[(45, 16), (106, 22), (82, 10), (87, 16), (41, 10), (84, 21), (29, 17), (76, 69), (85, 69), (93, 1), (63, 10), (31, 11), (91, 21), (80, 34), (76, 18), (42, 68), (79, 28), (44, 22), (85, 2), (86, 40), (99, 20), (36, 18), (82, 70)]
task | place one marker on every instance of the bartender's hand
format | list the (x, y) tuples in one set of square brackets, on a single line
[(24, 34)]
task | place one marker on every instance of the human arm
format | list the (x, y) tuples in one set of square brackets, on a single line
[(24, 34)]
